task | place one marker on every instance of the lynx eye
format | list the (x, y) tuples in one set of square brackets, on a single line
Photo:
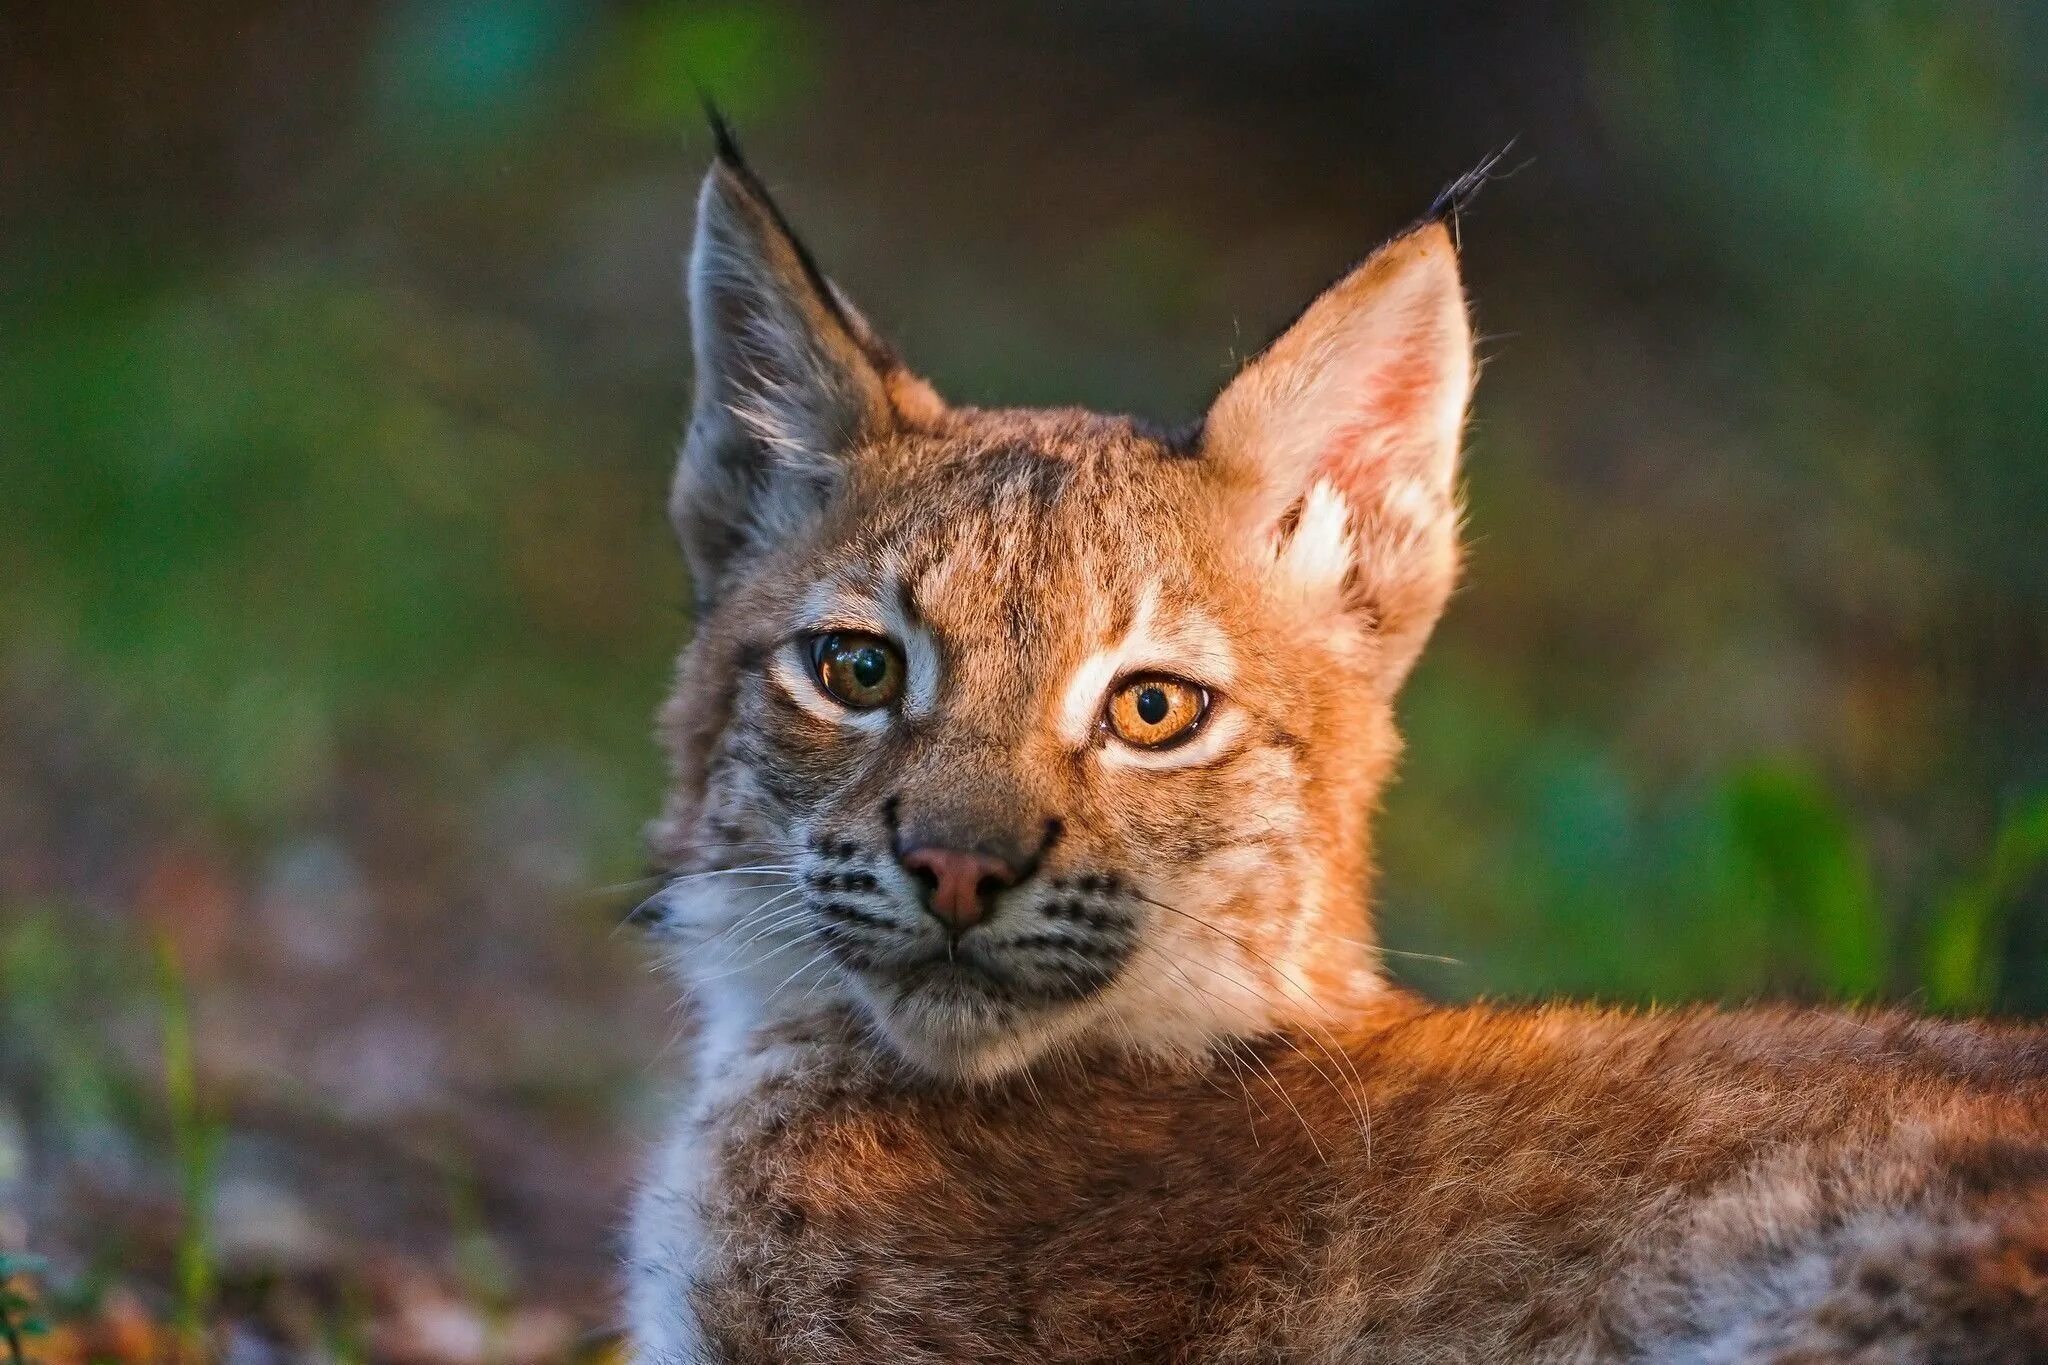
[(1152, 711), (857, 670)]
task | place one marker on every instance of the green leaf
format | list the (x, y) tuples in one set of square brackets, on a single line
[(1801, 860), (1962, 959)]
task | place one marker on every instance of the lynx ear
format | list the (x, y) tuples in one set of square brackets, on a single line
[(789, 380), (1341, 443)]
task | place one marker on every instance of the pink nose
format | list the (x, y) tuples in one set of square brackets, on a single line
[(958, 882)]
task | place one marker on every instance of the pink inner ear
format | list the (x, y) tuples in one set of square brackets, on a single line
[(1359, 452)]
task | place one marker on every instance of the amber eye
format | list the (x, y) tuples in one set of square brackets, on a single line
[(1152, 711), (860, 671)]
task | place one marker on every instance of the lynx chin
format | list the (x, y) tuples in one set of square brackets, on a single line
[(1019, 853)]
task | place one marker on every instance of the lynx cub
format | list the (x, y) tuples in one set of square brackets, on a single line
[(1022, 767)]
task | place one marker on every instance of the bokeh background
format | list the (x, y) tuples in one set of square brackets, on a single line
[(341, 365)]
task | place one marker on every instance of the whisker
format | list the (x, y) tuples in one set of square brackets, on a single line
[(1307, 1130), (1419, 957), (786, 871), (816, 958), (1243, 1085), (1232, 1042), (766, 909), (620, 888), (728, 845), (812, 989), (1219, 929), (782, 922), (778, 914), (1384, 951), (1323, 1038), (649, 911), (696, 980), (756, 961)]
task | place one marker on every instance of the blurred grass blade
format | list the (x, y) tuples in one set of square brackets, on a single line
[(1963, 957), (195, 1137), (1803, 860)]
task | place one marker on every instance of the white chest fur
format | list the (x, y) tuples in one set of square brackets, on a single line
[(743, 1011)]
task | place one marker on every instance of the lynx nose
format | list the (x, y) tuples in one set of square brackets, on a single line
[(958, 884)]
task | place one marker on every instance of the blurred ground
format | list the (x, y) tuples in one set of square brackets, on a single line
[(341, 362)]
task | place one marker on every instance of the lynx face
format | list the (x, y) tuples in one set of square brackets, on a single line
[(1019, 730)]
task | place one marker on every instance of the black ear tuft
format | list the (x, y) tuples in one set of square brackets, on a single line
[(1457, 196), (726, 149), (728, 146), (787, 382)]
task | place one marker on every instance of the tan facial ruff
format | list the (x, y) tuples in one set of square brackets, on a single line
[(1022, 764)]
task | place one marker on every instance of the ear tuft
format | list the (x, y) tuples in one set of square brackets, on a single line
[(790, 380), (1457, 196), (724, 145), (1341, 439)]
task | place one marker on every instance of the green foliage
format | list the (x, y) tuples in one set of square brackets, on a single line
[(196, 1134), (1554, 869), (344, 1331), (1799, 863), (58, 987), (1963, 958), (279, 522), (753, 58), (1866, 176), (19, 1317)]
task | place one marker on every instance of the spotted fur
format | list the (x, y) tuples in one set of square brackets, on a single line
[(1159, 1104)]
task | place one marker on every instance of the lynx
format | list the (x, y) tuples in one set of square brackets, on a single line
[(1018, 848)]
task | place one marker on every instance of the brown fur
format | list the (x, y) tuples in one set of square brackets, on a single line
[(1466, 1184), (1177, 1115)]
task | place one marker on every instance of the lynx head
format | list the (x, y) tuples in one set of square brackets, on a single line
[(1020, 730)]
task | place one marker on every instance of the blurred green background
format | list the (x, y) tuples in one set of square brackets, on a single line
[(341, 365)]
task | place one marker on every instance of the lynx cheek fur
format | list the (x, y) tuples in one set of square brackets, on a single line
[(1022, 767)]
